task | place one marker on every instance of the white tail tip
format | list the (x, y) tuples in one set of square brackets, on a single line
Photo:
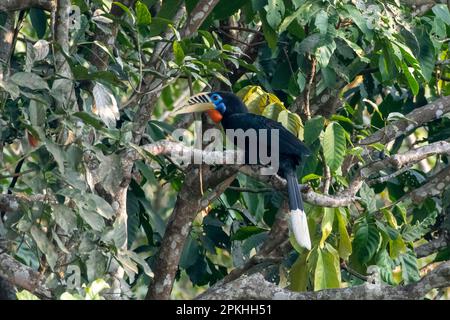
[(299, 226)]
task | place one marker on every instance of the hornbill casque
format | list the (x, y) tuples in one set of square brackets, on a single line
[(231, 112)]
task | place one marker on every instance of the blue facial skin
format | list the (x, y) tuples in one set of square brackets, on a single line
[(218, 102)]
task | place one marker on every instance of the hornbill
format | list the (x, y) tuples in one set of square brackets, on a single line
[(230, 111)]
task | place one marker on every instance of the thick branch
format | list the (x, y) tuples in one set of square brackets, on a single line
[(22, 276), (189, 202), (412, 120), (197, 16), (6, 43), (397, 162), (433, 187), (256, 287), (15, 5), (11, 202), (433, 246), (165, 147)]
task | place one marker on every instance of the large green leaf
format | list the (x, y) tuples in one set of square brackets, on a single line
[(65, 217), (441, 11), (299, 274), (290, 121), (38, 21), (410, 270), (178, 52), (366, 241), (327, 273), (368, 197), (272, 111), (246, 232), (275, 12), (324, 53), (334, 145), (226, 8), (143, 16), (313, 128), (269, 34), (412, 82), (327, 225), (345, 244), (29, 80), (45, 245), (322, 21), (427, 53)]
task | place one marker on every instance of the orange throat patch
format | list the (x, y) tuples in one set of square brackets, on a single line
[(215, 115)]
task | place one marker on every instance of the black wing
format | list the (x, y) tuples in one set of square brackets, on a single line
[(290, 145)]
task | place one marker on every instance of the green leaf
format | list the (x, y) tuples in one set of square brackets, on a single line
[(359, 19), (288, 20), (426, 55), (397, 247), (29, 80), (366, 241), (327, 273), (133, 221), (90, 119), (92, 218), (420, 228), (65, 217), (322, 22), (178, 52), (45, 245), (38, 21), (290, 121), (412, 82), (57, 153), (225, 9), (324, 53), (301, 80), (441, 11), (269, 34), (275, 12), (246, 232), (25, 295), (299, 274), (313, 128), (368, 197), (334, 145), (410, 270), (100, 205), (327, 225), (345, 244), (143, 16), (189, 254), (37, 112), (272, 111)]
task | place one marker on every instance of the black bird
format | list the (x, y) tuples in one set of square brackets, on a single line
[(230, 111)]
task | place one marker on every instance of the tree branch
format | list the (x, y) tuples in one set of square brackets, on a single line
[(197, 16), (256, 287), (433, 187), (432, 246), (168, 148), (414, 119), (11, 202), (15, 5), (23, 276), (189, 202)]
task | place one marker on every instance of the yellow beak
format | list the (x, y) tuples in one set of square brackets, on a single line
[(198, 103)]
